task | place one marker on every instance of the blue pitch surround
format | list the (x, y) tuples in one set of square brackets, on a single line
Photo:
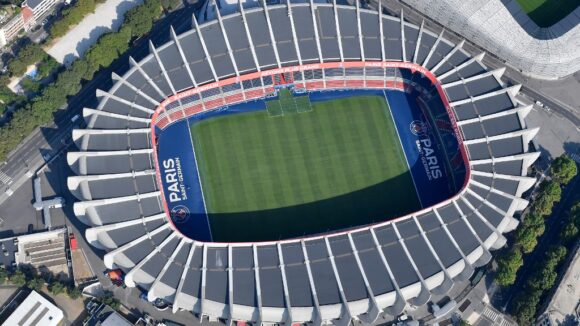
[(183, 190)]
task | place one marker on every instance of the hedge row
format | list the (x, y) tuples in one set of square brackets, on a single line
[(39, 111)]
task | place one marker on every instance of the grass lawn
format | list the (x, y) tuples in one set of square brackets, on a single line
[(546, 13), (335, 165)]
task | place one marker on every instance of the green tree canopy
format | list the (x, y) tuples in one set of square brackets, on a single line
[(18, 278), (526, 238), (524, 308), (73, 292), (508, 266), (56, 288), (35, 283), (563, 169)]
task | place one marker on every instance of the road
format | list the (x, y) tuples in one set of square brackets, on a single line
[(48, 141), (511, 75)]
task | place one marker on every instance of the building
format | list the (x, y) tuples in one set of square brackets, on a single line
[(35, 310), (11, 29), (40, 8), (504, 29), (44, 251), (32, 13), (360, 273)]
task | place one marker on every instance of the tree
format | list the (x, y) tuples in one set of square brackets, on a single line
[(555, 254), (543, 279), (525, 305), (35, 283), (569, 232), (18, 278), (526, 238), (508, 266), (563, 169), (56, 288), (73, 292), (110, 300)]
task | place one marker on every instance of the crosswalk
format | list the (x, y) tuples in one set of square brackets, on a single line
[(491, 314), (575, 157), (496, 317), (5, 179)]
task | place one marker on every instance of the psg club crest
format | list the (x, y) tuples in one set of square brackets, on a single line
[(419, 128), (179, 214)]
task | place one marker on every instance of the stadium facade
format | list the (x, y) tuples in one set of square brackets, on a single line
[(505, 29), (354, 274)]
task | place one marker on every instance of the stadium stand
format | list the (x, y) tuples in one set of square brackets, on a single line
[(356, 274)]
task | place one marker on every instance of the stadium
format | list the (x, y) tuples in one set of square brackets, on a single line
[(301, 163)]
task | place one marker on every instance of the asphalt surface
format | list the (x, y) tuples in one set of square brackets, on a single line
[(46, 142)]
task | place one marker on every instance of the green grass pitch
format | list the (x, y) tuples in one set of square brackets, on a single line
[(546, 13), (337, 164)]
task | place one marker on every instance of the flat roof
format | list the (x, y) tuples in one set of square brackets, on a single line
[(35, 310)]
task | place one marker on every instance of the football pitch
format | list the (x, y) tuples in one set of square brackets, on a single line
[(546, 13), (280, 173)]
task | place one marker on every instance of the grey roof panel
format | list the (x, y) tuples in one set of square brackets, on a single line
[(507, 186), (297, 275), (494, 104), (427, 41), (502, 125), (396, 257), (192, 281), (411, 35), (463, 236), (216, 288), (465, 111), (347, 267), (125, 92), (457, 92), (507, 146), (198, 64), (322, 273), (270, 277), (372, 263), (243, 274), (483, 85), (106, 122), (172, 275), (138, 80), (478, 151), (509, 167), (472, 131), (453, 61), (500, 201), (124, 235), (236, 32), (153, 70)]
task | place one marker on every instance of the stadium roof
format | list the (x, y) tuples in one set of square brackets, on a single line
[(504, 28), (333, 277)]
